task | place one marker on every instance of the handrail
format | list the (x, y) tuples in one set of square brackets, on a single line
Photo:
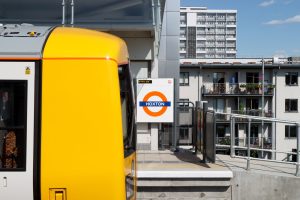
[(232, 145)]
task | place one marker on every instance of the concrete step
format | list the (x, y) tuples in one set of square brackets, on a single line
[(173, 176)]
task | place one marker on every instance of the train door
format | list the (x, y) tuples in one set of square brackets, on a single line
[(16, 130)]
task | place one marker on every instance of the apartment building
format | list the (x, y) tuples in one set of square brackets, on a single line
[(207, 33), (235, 86)]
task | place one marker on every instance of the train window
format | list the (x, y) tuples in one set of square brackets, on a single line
[(127, 109), (13, 103)]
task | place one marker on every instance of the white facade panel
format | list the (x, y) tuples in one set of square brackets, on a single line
[(191, 19)]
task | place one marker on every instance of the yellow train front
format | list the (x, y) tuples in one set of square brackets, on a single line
[(66, 115)]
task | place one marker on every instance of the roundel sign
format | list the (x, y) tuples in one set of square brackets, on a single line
[(155, 100)]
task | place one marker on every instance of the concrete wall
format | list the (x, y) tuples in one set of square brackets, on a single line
[(185, 193), (243, 186), (249, 186)]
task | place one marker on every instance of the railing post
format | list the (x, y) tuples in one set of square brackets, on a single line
[(232, 136), (298, 148), (63, 21), (249, 133)]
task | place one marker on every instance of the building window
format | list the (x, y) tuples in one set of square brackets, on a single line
[(184, 78), (290, 131), (184, 133), (184, 102), (291, 105), (291, 78), (252, 77), (252, 104)]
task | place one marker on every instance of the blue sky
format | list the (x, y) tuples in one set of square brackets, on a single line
[(264, 28)]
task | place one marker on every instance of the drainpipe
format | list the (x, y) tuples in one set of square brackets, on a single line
[(199, 83), (158, 20)]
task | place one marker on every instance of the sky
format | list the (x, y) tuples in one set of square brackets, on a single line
[(265, 28)]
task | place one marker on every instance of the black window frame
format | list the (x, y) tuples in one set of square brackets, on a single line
[(184, 105), (254, 76), (289, 77), (288, 105), (291, 131), (21, 149), (184, 76), (252, 103), (184, 131), (184, 102), (126, 91)]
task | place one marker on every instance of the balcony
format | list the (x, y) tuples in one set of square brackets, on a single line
[(236, 89)]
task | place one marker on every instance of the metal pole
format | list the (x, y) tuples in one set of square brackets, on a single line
[(204, 150), (153, 13), (263, 88), (232, 137), (298, 149), (263, 105), (63, 12), (233, 132), (175, 122), (248, 159), (72, 13)]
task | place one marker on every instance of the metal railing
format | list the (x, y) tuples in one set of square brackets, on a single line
[(255, 142), (233, 145), (254, 112), (237, 88)]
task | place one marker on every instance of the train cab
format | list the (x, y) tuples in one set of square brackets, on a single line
[(67, 119)]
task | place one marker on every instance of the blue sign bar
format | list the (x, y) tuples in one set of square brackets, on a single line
[(155, 103)]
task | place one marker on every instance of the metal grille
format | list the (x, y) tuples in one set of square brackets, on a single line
[(191, 42)]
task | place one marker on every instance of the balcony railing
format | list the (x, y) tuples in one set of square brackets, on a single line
[(254, 112), (237, 89), (255, 142), (257, 112)]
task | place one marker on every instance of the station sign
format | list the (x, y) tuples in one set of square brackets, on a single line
[(155, 100)]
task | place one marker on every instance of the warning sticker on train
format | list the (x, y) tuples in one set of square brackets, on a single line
[(155, 100)]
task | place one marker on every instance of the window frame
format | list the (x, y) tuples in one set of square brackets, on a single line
[(21, 152), (288, 131), (130, 141), (184, 131), (289, 101), (185, 79), (289, 75), (253, 77), (184, 105)]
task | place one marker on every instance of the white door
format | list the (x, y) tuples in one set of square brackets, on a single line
[(16, 130)]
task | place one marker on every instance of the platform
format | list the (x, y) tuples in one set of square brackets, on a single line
[(181, 164)]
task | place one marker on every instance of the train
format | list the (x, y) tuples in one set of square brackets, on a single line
[(67, 117)]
